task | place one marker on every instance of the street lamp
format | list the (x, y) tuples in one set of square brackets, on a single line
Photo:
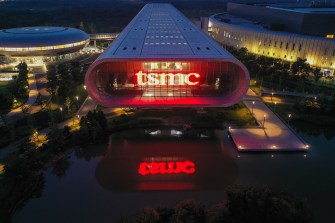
[(36, 136), (271, 97), (84, 87), (252, 107), (61, 112), (289, 117), (77, 100), (264, 121), (275, 106)]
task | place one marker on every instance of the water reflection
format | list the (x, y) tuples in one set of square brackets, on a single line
[(314, 130), (166, 159)]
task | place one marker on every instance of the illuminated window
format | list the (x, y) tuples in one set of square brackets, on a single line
[(330, 36)]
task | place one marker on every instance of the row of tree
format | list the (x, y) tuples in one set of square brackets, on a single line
[(93, 128), (17, 89), (279, 74), (252, 205), (65, 84)]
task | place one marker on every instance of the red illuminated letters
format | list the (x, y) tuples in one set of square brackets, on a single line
[(167, 79), (178, 167)]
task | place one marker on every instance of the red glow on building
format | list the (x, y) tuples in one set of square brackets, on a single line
[(163, 79), (179, 167)]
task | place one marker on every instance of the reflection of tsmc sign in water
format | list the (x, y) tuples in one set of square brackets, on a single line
[(167, 79), (178, 167)]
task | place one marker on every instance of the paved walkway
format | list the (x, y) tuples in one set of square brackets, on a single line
[(88, 105), (287, 93), (271, 135)]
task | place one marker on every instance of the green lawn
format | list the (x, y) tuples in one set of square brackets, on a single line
[(3, 86)]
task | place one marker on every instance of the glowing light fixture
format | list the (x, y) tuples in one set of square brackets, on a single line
[(167, 79), (155, 168)]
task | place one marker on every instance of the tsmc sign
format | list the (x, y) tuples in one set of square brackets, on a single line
[(167, 79), (153, 168)]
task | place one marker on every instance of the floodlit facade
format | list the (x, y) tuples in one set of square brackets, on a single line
[(245, 26), (41, 41), (162, 59)]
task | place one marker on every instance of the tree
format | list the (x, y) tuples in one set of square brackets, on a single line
[(65, 88), (149, 215), (52, 83), (60, 167), (189, 211), (101, 118), (68, 104), (55, 138), (301, 67), (6, 100), (75, 71), (262, 205), (23, 70), (317, 74), (25, 110)]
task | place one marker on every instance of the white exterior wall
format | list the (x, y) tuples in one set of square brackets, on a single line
[(318, 51)]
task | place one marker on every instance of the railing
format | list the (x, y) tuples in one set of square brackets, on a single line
[(101, 36)]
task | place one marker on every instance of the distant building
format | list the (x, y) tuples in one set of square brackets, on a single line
[(280, 31), (41, 43), (162, 59)]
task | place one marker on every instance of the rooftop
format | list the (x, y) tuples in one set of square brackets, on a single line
[(39, 36), (306, 10), (232, 20), (161, 31)]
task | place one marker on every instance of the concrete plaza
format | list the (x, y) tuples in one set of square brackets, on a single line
[(272, 134)]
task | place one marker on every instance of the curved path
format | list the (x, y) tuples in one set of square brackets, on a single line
[(17, 113)]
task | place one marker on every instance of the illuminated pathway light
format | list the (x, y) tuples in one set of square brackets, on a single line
[(166, 79), (274, 135)]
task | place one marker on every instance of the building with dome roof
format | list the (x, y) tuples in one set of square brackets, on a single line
[(41, 42)]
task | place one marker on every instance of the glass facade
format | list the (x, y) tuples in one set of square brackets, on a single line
[(42, 48), (163, 79)]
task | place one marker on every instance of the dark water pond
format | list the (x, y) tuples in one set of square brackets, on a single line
[(103, 183)]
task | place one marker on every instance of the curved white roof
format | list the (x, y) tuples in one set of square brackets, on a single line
[(40, 36), (159, 30)]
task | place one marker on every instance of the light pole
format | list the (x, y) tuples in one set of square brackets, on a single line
[(61, 112), (275, 106), (289, 117), (272, 97), (77, 100), (252, 107), (264, 121), (36, 136)]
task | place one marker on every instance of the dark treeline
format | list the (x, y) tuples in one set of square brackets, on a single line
[(252, 205), (104, 16)]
